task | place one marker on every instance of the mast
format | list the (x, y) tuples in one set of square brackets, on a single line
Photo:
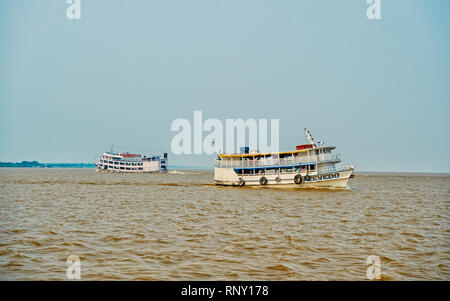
[(309, 137)]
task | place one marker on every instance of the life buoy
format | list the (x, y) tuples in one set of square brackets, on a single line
[(263, 181), (298, 179), (241, 182)]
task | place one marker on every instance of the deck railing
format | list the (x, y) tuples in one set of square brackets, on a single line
[(269, 162), (335, 168)]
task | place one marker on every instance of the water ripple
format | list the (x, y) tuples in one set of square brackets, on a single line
[(179, 226)]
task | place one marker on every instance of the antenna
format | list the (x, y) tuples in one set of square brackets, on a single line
[(112, 146)]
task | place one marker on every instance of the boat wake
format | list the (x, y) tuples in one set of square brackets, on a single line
[(176, 172)]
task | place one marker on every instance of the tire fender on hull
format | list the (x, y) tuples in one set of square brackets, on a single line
[(263, 181), (298, 179)]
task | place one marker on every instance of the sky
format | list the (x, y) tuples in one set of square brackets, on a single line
[(378, 90)]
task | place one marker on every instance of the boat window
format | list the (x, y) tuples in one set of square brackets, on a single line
[(259, 171), (271, 171)]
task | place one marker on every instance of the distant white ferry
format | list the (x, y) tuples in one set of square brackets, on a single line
[(126, 162), (308, 166)]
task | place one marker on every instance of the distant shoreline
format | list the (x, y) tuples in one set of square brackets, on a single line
[(36, 164)]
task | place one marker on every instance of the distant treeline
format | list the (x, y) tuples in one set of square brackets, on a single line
[(46, 165)]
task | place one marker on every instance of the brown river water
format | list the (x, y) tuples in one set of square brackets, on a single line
[(181, 227)]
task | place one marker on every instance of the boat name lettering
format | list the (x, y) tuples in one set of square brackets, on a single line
[(322, 177)]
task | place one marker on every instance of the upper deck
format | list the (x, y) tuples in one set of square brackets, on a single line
[(126, 157), (279, 159), (279, 154)]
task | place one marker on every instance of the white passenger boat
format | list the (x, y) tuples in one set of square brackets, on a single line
[(308, 166), (126, 162)]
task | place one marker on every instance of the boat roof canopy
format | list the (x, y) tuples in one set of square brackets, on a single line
[(277, 153)]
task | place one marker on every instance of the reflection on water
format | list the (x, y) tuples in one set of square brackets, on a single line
[(180, 227)]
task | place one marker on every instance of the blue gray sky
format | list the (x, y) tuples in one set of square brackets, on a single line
[(376, 89)]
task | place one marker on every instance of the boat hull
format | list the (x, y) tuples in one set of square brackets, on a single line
[(338, 179), (99, 169)]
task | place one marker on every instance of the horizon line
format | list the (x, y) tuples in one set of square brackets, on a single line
[(187, 167)]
